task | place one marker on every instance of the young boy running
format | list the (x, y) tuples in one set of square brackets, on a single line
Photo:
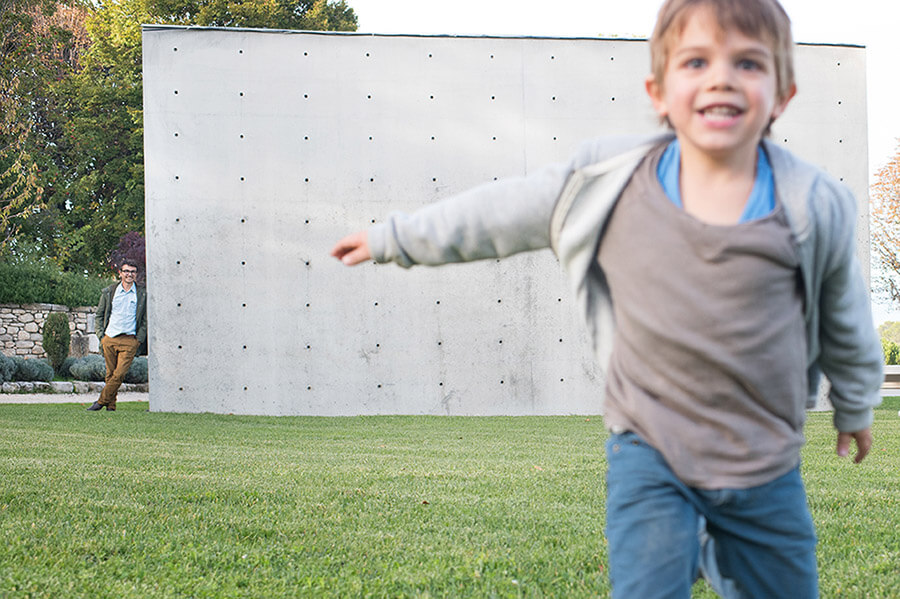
[(717, 276)]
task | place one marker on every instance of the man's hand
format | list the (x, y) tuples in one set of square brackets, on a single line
[(352, 249), (863, 444)]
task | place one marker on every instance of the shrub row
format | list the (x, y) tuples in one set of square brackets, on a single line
[(88, 368), (93, 368), (32, 283), (17, 368)]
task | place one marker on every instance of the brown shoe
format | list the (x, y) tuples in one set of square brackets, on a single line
[(96, 407)]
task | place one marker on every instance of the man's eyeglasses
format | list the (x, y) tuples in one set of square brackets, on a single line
[(129, 272)]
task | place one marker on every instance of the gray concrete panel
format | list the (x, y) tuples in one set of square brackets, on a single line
[(263, 148)]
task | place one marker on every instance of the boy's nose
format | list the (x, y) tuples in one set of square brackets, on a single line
[(720, 75)]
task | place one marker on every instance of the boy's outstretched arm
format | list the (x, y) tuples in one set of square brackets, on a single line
[(863, 444), (353, 249)]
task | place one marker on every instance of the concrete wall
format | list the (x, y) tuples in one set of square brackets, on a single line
[(263, 148)]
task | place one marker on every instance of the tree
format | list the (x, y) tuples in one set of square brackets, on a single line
[(40, 44), (20, 192), (885, 216), (890, 330), (314, 15), (891, 352), (131, 247), (56, 339), (97, 166)]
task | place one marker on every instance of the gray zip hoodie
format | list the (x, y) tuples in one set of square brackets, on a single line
[(566, 206)]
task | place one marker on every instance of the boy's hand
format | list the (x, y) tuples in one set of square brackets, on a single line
[(863, 444), (352, 249)]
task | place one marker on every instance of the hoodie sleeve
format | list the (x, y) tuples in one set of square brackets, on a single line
[(493, 220), (851, 355)]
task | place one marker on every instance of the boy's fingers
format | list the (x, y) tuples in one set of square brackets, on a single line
[(342, 247), (863, 440), (360, 254), (863, 444), (352, 249), (843, 444)]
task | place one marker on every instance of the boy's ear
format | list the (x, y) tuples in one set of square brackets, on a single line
[(654, 90), (782, 104)]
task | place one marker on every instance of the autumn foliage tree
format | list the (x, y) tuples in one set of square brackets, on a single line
[(131, 247), (20, 191), (885, 215), (41, 42), (20, 65)]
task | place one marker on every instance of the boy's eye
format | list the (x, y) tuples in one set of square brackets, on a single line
[(695, 63), (748, 64)]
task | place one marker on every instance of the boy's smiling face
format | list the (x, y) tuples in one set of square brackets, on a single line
[(718, 90)]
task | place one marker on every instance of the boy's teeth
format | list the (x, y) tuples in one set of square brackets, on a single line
[(720, 111)]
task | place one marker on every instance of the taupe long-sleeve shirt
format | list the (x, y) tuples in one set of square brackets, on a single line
[(709, 357)]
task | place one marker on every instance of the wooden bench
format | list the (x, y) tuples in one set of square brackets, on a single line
[(892, 377)]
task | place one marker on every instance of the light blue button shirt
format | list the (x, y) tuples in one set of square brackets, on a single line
[(123, 316)]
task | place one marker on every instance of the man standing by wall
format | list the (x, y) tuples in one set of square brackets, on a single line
[(122, 328)]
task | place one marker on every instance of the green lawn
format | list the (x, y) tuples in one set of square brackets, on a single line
[(138, 504)]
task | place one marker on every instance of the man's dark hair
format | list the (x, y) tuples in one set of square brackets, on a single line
[(129, 262)]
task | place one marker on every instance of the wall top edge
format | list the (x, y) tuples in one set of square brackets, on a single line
[(150, 28), (153, 28)]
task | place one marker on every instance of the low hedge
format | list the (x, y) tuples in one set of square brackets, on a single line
[(42, 284), (66, 365), (17, 368), (7, 369), (88, 368), (93, 368)]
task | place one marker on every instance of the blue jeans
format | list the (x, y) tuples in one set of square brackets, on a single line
[(749, 543)]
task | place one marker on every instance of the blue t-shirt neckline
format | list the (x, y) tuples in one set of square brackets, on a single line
[(762, 198)]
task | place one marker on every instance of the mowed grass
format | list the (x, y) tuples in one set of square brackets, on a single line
[(139, 504)]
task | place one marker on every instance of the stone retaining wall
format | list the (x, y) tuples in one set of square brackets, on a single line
[(68, 387), (21, 326)]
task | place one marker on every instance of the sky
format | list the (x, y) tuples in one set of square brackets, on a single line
[(871, 23)]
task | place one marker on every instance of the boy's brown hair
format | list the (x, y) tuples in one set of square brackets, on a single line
[(761, 19)]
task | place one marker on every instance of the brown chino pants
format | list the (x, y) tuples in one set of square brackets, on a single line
[(119, 352)]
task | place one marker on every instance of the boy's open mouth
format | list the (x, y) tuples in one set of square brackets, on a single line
[(720, 111)]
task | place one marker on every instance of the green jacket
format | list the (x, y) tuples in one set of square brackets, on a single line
[(105, 307)]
